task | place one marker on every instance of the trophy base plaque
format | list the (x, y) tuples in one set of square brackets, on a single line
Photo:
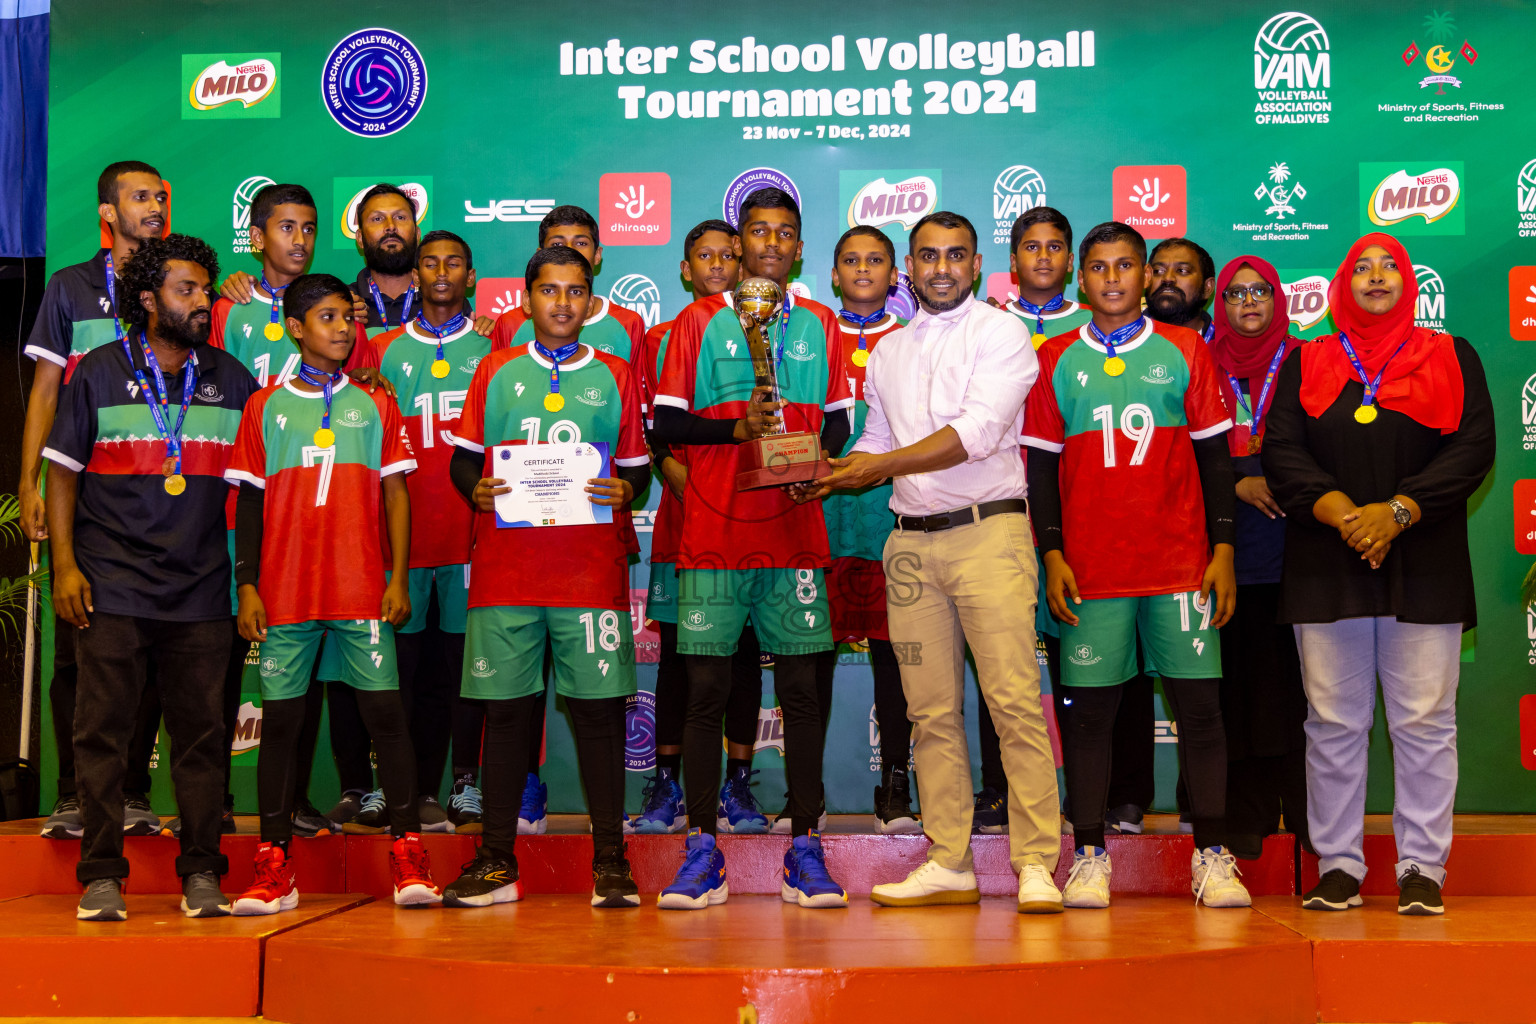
[(780, 459)]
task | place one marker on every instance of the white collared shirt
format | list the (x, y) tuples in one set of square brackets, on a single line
[(969, 368)]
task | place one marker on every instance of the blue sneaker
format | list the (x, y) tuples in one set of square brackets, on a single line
[(700, 882), (533, 819), (806, 881), (738, 813), (664, 811)]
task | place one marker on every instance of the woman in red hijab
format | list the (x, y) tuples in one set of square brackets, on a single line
[(1377, 436), (1262, 702)]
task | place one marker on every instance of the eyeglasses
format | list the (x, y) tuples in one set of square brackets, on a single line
[(1238, 294)]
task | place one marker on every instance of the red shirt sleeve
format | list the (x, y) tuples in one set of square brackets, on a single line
[(643, 365), (469, 432), (248, 458), (839, 395), (217, 321), (398, 456), (506, 327), (631, 450), (1204, 408), (1044, 426), (682, 359), (361, 349)]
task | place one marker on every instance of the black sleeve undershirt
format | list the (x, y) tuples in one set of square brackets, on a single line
[(1044, 473), (464, 471), (836, 429), (679, 426), (249, 507)]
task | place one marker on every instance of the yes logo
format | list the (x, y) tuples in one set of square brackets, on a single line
[(1151, 198)]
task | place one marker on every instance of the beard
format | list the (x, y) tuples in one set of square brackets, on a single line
[(390, 262), (936, 304), (184, 331), (1172, 306)]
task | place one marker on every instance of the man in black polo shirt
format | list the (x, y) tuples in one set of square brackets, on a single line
[(136, 514), (78, 314)]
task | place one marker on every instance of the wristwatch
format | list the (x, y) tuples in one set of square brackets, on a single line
[(1400, 513)]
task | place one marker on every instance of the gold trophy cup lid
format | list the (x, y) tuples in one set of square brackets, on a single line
[(760, 299)]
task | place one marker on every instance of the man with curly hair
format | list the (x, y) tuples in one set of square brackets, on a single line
[(138, 451)]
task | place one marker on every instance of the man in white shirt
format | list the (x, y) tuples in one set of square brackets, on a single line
[(946, 405)]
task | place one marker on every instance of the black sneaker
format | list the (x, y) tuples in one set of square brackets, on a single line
[(1418, 895), (893, 803), (200, 896), (66, 821), (346, 809), (138, 819), (433, 817), (227, 819), (372, 819), (1337, 890), (309, 822), (465, 809), (612, 884), (1124, 820), (103, 901), (483, 881), (990, 815)]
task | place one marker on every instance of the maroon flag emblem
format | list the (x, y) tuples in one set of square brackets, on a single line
[(1411, 54), (1469, 52)]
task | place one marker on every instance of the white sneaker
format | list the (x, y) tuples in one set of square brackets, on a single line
[(929, 886), (1088, 884), (1213, 879), (1037, 891), (783, 825)]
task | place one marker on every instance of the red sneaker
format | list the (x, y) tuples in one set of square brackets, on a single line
[(412, 871), (274, 888)]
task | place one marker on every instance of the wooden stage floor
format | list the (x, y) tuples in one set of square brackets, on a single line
[(1154, 953)]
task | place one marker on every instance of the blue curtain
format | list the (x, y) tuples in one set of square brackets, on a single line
[(23, 125)]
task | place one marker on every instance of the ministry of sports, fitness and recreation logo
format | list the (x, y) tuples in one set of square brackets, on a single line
[(1017, 188), (1430, 309), (1292, 71), (1440, 29), (240, 211), (1083, 654), (1525, 199), (349, 192), (640, 731), (374, 82), (1421, 198), (1278, 194), (894, 200), (1157, 373), (1522, 303), (219, 85), (747, 182), (639, 294)]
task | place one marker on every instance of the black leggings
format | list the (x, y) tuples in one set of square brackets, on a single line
[(431, 667), (795, 683), (282, 722), (890, 706), (1088, 742), (468, 735), (599, 729), (742, 706)]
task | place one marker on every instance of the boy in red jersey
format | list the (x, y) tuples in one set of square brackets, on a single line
[(711, 265), (1131, 484), (608, 327), (567, 585), (431, 361), (754, 554), (312, 459), (858, 522)]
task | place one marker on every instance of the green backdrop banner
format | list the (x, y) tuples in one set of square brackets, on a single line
[(1249, 127)]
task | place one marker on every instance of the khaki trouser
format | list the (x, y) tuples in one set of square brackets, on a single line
[(975, 585)]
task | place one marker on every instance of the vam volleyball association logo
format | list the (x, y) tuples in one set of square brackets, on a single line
[(240, 211), (374, 82), (1292, 71), (1525, 199), (639, 294), (1430, 309), (1017, 188)]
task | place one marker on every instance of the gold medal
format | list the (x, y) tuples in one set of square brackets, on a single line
[(175, 484), (1253, 444), (168, 466), (554, 402), (274, 332), (1114, 366), (1037, 340), (325, 437), (440, 368), (1365, 414), (860, 357)]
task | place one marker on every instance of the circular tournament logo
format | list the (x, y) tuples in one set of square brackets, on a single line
[(640, 731), (374, 82), (899, 301), (748, 182)]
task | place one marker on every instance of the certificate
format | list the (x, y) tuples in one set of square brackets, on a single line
[(549, 483)]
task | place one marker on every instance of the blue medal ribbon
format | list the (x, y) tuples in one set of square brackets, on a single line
[(1038, 312), (555, 358), (862, 322), (1257, 413), (453, 326), (1371, 386), (117, 325), (275, 293), (1209, 332), (160, 397), (318, 378), (1119, 336), (405, 310)]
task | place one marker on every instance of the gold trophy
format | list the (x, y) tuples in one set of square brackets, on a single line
[(778, 458)]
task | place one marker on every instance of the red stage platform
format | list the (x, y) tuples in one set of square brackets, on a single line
[(754, 958)]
